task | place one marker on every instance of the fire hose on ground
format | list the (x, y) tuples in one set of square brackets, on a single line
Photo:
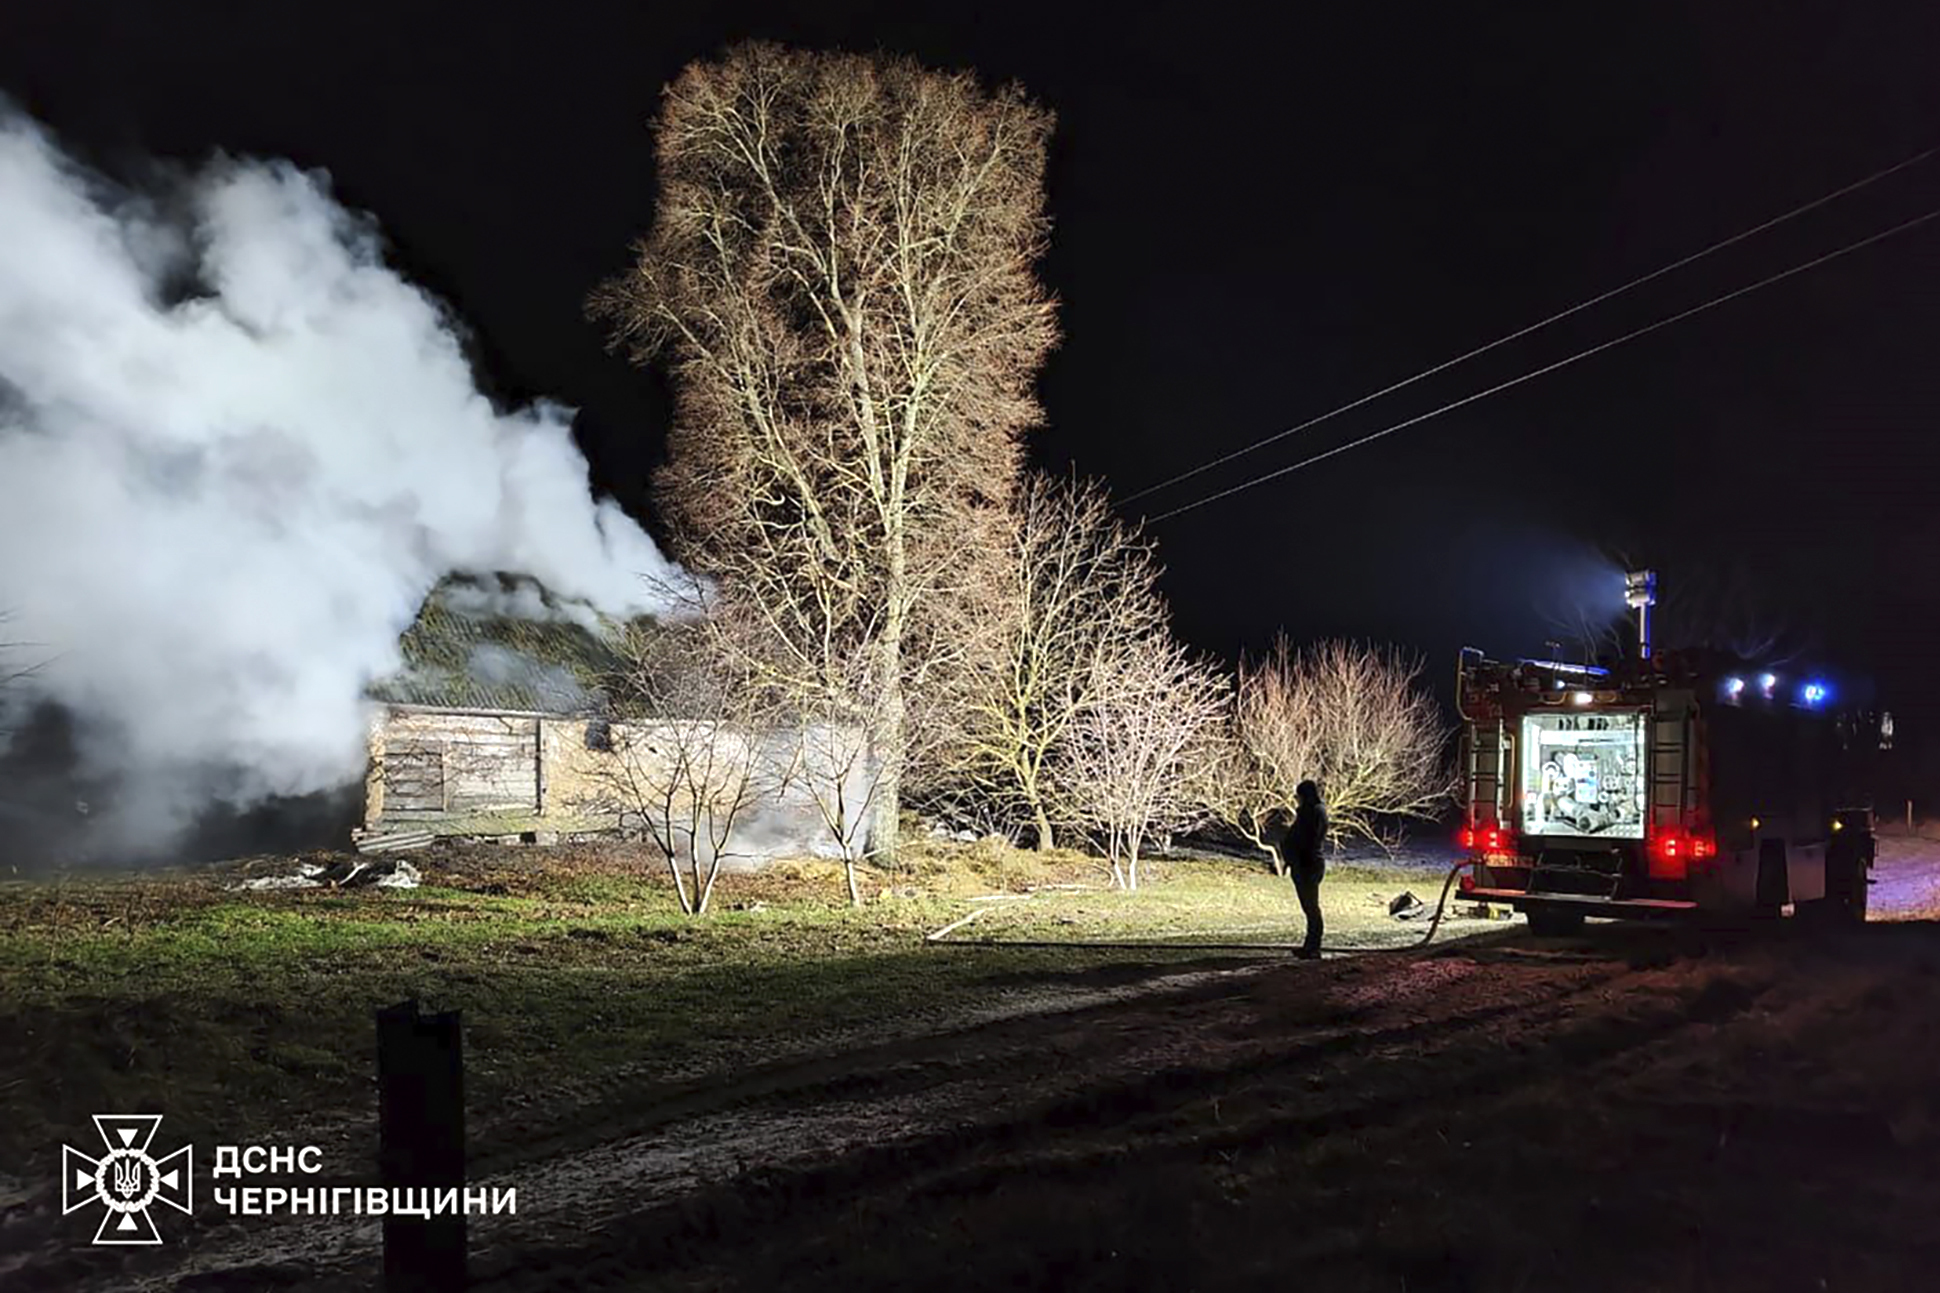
[(942, 936)]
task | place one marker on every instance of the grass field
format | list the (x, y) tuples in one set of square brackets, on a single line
[(241, 1012)]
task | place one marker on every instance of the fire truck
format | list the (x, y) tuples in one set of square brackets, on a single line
[(1681, 784)]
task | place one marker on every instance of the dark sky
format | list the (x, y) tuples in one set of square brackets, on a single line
[(1257, 218)]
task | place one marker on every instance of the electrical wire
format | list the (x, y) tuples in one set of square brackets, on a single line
[(1854, 187), (1632, 335)]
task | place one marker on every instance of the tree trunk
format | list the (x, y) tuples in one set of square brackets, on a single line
[(848, 870), (888, 737), (680, 884), (1045, 841), (886, 810), (707, 891)]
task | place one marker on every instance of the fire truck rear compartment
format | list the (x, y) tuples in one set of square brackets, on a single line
[(1583, 776)]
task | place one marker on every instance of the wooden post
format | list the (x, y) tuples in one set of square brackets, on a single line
[(1909, 817), (421, 1143)]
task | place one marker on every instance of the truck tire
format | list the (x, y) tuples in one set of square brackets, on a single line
[(1549, 922), (1844, 904), (1846, 878), (1773, 890)]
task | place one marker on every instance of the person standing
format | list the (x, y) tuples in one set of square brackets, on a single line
[(1301, 852)]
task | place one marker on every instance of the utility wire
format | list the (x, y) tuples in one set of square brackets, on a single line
[(1561, 363), (1534, 327)]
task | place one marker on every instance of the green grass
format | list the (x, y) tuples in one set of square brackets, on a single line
[(240, 1013)]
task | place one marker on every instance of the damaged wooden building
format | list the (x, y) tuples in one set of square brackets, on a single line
[(498, 728)]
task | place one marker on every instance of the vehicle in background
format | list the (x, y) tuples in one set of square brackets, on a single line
[(1680, 784)]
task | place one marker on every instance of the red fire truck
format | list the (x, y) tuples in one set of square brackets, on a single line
[(1680, 784)]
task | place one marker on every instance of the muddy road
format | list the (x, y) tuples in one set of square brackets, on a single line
[(1626, 1110), (1509, 1117)]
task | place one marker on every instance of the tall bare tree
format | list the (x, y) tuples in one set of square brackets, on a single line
[(1080, 590), (1354, 719), (841, 271), (1127, 769)]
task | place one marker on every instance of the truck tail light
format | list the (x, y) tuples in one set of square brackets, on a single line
[(1673, 849), (1486, 839)]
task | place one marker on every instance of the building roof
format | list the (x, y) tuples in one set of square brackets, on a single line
[(504, 643)]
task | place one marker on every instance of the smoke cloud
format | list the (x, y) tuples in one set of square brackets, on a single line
[(236, 452)]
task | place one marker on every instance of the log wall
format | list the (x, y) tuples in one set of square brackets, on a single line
[(471, 773)]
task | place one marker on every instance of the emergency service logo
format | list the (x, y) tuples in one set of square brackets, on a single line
[(127, 1180)]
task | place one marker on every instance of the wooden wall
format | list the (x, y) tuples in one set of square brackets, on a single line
[(435, 766), (462, 773)]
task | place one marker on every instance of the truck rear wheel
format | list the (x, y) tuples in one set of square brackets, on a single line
[(1845, 885), (1845, 876), (1549, 922), (1773, 889)]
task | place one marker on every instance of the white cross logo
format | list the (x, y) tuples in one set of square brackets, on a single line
[(126, 1180)]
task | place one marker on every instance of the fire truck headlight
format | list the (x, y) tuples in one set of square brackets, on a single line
[(1767, 681), (1814, 693), (1581, 698), (1734, 687)]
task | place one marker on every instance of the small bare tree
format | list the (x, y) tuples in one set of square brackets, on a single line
[(1352, 718), (1126, 768), (1271, 745), (11, 668), (687, 756), (1724, 608), (1591, 633), (1081, 588), (833, 756)]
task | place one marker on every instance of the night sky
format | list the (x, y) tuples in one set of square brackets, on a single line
[(1257, 219)]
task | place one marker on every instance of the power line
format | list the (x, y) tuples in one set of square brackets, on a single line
[(1561, 363), (1534, 327)]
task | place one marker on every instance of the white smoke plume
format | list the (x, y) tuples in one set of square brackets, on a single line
[(236, 451)]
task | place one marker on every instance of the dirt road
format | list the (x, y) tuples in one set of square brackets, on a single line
[(1627, 1110)]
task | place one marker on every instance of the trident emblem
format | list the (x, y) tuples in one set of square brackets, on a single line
[(127, 1177)]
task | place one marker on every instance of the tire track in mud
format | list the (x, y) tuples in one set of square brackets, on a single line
[(980, 1153), (1598, 1043), (929, 1101), (1041, 1091), (702, 1114)]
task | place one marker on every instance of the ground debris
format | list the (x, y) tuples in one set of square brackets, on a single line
[(344, 873), (1405, 906)]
